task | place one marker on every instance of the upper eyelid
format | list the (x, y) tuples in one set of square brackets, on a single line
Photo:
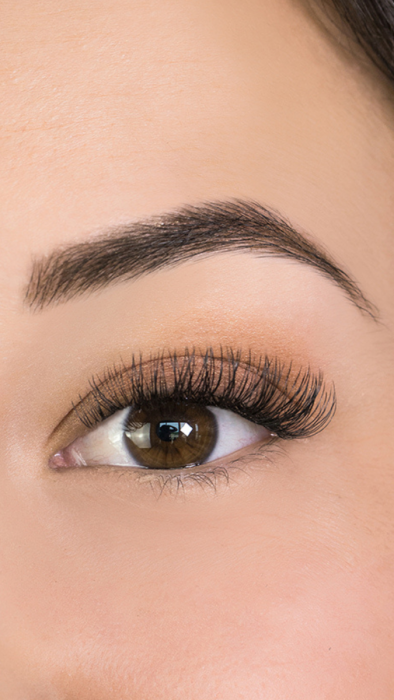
[(98, 384), (100, 395)]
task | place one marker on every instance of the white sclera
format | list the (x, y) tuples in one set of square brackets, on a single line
[(105, 445)]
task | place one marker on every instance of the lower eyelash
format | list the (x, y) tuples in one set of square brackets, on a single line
[(179, 481), (206, 477)]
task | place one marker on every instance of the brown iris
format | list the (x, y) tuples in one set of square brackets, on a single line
[(170, 436)]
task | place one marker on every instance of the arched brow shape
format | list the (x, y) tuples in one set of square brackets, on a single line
[(165, 241)]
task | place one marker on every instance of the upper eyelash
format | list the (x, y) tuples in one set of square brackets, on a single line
[(290, 404)]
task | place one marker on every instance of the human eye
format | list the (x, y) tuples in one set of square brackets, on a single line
[(194, 413)]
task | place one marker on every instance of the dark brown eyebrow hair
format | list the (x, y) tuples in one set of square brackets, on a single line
[(161, 241)]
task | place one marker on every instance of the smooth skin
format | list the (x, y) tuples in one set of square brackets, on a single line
[(281, 584)]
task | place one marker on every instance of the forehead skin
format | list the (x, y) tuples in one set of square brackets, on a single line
[(115, 110), (112, 111)]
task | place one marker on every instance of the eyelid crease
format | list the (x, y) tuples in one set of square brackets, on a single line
[(291, 403)]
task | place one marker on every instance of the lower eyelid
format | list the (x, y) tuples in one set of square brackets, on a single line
[(210, 476)]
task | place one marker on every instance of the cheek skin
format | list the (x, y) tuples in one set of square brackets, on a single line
[(275, 588), (321, 636), (283, 584)]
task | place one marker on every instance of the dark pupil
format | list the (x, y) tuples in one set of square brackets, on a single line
[(168, 431), (170, 436)]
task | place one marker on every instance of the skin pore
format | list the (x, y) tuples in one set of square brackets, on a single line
[(277, 582)]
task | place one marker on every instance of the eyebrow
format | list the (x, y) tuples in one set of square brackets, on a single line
[(142, 247)]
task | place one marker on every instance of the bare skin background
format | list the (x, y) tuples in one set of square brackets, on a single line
[(280, 585)]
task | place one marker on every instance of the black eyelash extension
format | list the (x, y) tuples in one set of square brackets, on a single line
[(291, 404)]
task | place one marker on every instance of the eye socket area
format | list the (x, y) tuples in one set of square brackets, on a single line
[(162, 437)]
